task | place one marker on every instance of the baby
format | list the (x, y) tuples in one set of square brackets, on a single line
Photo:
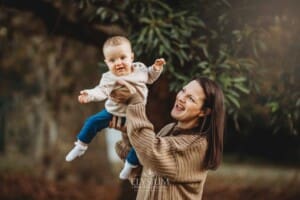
[(119, 59)]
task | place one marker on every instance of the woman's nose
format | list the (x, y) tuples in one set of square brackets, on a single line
[(181, 97)]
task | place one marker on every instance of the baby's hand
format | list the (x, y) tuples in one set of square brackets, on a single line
[(159, 64), (83, 97)]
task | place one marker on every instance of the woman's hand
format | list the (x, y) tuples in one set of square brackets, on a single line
[(116, 123), (125, 93), (120, 94)]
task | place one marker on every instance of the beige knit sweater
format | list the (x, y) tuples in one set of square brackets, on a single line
[(140, 76), (172, 160)]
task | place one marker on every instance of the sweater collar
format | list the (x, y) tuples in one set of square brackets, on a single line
[(179, 131)]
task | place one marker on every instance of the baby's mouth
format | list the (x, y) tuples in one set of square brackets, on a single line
[(120, 69)]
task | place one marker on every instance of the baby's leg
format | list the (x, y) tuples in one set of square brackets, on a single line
[(131, 162), (93, 125), (132, 157), (89, 130)]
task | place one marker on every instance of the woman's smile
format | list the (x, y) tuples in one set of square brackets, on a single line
[(187, 107), (179, 107)]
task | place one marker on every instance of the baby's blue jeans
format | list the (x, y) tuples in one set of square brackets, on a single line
[(96, 123)]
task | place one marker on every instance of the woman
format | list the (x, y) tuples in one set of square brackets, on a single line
[(176, 160)]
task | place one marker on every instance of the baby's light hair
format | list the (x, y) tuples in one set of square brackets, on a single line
[(115, 41)]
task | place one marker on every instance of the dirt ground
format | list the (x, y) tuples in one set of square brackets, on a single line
[(232, 182), (23, 187)]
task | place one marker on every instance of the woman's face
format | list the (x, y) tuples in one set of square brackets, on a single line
[(188, 104)]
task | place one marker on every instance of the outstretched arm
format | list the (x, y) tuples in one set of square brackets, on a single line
[(89, 95), (155, 70), (98, 93), (156, 153), (159, 64)]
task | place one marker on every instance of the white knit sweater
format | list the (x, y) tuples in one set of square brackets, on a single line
[(140, 76)]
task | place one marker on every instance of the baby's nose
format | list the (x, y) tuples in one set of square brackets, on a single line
[(118, 61)]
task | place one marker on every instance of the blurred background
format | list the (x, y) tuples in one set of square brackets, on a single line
[(51, 49)]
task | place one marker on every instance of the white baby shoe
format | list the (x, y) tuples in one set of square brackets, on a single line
[(77, 151)]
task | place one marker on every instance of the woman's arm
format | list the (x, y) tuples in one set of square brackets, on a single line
[(153, 152), (100, 92), (156, 153)]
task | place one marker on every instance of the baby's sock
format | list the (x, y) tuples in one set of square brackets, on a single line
[(77, 151), (124, 174)]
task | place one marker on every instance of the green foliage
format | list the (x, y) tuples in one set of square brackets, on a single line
[(198, 38), (190, 47), (282, 90), (284, 104)]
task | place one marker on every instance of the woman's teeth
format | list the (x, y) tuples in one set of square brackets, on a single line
[(179, 107)]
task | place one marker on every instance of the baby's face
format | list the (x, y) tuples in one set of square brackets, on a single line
[(119, 59)]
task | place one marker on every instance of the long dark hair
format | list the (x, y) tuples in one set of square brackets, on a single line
[(213, 123)]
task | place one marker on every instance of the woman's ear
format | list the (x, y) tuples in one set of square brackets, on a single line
[(204, 112)]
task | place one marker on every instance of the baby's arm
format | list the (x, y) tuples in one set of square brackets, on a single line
[(159, 64), (155, 70), (98, 93), (89, 95), (83, 97)]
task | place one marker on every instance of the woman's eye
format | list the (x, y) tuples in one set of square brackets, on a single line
[(192, 99)]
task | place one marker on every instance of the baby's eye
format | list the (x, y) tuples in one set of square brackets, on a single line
[(123, 57), (112, 60)]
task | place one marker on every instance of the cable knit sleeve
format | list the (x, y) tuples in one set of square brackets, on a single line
[(180, 157), (154, 152)]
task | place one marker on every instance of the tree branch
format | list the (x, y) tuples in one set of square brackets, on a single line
[(57, 23)]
